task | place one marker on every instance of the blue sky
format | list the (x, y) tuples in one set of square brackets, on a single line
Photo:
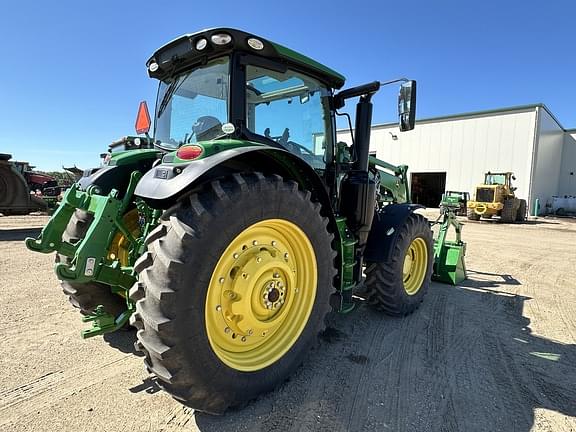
[(72, 73)]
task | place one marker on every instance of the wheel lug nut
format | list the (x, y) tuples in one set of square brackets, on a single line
[(243, 338), (218, 308), (273, 243), (280, 284), (227, 330), (221, 280), (235, 256), (254, 242), (276, 275), (286, 256), (250, 332), (258, 260)]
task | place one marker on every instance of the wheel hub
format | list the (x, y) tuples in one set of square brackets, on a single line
[(255, 290), (272, 295)]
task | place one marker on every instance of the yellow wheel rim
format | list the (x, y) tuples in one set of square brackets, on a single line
[(261, 294), (415, 264), (120, 247)]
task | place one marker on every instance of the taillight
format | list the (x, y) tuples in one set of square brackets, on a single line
[(189, 152)]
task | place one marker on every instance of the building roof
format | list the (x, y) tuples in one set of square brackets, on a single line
[(505, 110)]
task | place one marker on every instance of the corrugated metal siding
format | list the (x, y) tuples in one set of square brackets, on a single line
[(567, 181), (548, 157), (464, 148)]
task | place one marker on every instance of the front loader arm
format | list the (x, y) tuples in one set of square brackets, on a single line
[(393, 179)]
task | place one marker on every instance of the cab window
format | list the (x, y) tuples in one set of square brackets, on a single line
[(291, 109)]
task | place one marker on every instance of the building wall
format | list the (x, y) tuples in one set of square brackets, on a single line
[(567, 181), (548, 159), (465, 148)]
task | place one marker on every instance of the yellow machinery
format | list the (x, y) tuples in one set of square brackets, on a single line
[(495, 197)]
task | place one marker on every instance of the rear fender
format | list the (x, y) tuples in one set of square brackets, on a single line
[(385, 229), (167, 182)]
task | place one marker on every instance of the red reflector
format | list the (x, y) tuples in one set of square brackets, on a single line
[(189, 152)]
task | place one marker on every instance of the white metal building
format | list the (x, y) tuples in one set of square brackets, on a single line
[(454, 152)]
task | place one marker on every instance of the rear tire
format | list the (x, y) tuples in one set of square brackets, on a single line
[(182, 273), (508, 214), (387, 283), (87, 296), (472, 215), (521, 214)]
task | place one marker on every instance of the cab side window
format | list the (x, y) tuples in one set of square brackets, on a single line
[(291, 109)]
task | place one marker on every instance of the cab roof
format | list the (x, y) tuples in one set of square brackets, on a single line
[(182, 53)]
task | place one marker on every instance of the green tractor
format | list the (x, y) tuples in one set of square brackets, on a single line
[(228, 236)]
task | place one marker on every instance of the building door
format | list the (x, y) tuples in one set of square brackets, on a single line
[(427, 188)]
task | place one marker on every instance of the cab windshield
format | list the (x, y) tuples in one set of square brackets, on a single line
[(193, 106), (495, 179)]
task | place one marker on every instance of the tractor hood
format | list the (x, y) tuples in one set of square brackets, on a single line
[(198, 48)]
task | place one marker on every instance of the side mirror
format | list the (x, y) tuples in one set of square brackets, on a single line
[(407, 106), (143, 119)]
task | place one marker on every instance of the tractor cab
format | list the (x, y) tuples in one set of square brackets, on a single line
[(496, 187), (499, 179), (223, 88), (225, 84)]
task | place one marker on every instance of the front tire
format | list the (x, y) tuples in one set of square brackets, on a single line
[(213, 329), (397, 287), (521, 215), (87, 296), (472, 215), (509, 211)]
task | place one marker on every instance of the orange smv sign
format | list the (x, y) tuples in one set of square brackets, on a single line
[(143, 119)]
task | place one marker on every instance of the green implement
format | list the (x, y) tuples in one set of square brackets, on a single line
[(449, 265)]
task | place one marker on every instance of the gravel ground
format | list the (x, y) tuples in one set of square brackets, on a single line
[(495, 354)]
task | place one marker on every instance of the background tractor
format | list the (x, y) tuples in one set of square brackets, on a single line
[(495, 197), (228, 236), (16, 179), (456, 201)]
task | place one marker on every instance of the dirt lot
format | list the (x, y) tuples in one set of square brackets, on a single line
[(496, 354)]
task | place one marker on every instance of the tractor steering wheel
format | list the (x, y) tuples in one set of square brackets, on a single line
[(289, 145), (301, 149)]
